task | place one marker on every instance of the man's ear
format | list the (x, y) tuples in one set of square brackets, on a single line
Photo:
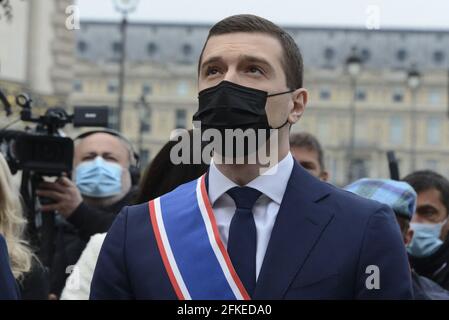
[(444, 231), (324, 175), (300, 97)]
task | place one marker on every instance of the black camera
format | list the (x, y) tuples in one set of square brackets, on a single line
[(45, 150)]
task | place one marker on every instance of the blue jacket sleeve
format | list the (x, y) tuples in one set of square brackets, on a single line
[(383, 269), (110, 279), (8, 285)]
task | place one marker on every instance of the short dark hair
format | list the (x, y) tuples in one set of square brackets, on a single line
[(310, 142), (292, 62), (424, 180), (403, 222)]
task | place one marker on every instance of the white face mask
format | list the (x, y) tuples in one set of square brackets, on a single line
[(426, 238)]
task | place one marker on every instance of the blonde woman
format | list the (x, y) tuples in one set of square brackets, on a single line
[(28, 272)]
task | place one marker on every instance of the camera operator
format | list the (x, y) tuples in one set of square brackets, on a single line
[(105, 166)]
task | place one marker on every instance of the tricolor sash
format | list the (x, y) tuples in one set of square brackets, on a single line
[(193, 254)]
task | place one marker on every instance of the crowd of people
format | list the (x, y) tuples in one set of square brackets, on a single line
[(372, 220), (88, 208)]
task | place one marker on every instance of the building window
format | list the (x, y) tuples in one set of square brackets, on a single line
[(187, 49), (396, 130), (360, 95), (151, 49), (432, 164), (434, 97), (112, 118), (181, 119), (433, 131), (366, 55), (398, 95), (145, 118), (144, 157), (147, 89), (82, 46), (77, 85), (146, 127), (401, 55), (182, 89), (359, 168), (323, 129), (325, 94), (329, 53), (112, 86), (117, 47), (438, 57)]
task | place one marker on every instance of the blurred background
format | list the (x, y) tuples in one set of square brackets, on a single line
[(377, 71)]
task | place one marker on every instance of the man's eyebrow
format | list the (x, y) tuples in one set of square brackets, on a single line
[(254, 59), (426, 206), (90, 153), (211, 60), (242, 58)]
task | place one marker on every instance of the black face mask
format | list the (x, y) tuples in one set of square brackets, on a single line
[(232, 106)]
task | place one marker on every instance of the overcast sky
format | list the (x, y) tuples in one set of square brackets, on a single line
[(421, 14)]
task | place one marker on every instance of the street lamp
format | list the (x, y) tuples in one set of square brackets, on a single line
[(125, 7), (353, 67), (144, 112), (413, 82)]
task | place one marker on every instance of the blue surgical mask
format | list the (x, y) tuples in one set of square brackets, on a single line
[(99, 178), (426, 239)]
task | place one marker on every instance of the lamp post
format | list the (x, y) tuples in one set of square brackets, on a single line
[(144, 111), (413, 82), (353, 67), (125, 7)]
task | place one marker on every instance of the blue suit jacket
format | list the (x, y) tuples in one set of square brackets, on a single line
[(321, 247), (8, 285)]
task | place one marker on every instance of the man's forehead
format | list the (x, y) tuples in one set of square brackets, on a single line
[(101, 143), (244, 44)]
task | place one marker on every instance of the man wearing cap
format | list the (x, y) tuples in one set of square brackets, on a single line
[(401, 197)]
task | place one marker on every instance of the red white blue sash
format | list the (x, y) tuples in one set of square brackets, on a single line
[(194, 256)]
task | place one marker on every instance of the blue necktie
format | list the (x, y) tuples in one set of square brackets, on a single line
[(242, 241)]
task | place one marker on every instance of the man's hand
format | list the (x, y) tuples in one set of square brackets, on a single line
[(65, 194)]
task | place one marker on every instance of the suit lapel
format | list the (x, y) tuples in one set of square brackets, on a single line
[(299, 224)]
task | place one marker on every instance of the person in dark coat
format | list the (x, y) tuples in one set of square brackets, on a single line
[(429, 248), (401, 197), (105, 170)]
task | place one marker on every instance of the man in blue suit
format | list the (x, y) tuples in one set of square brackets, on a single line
[(8, 286), (236, 233)]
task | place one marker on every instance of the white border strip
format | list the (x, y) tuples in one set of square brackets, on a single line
[(168, 250), (210, 234)]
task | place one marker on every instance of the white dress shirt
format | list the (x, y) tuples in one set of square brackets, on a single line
[(265, 210)]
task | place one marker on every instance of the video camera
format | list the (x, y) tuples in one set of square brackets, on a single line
[(45, 150)]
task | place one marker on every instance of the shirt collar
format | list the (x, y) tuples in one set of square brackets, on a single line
[(219, 183)]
